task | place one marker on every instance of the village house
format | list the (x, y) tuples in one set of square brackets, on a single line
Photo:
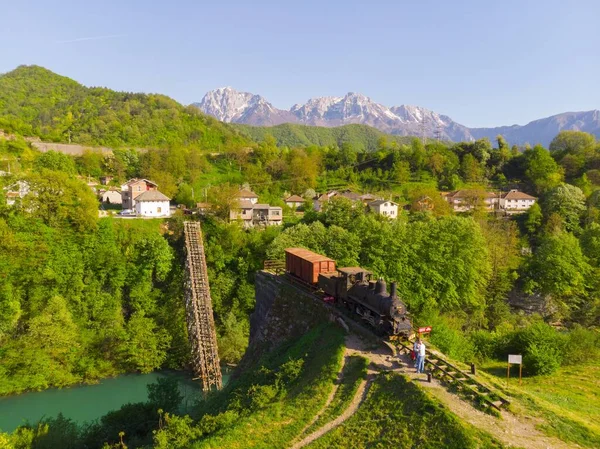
[(465, 200), (422, 204), (203, 208), (256, 214), (367, 198), (352, 196), (247, 195), (516, 202), (242, 213), (294, 201), (133, 188), (16, 191), (111, 196), (152, 203), (384, 207), (265, 215)]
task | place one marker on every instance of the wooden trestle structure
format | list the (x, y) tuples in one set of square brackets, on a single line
[(200, 321)]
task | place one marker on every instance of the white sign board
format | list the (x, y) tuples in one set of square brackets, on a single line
[(517, 359)]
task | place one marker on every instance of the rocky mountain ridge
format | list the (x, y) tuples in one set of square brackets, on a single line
[(230, 105)]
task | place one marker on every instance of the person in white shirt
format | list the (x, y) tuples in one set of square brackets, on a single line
[(421, 357)]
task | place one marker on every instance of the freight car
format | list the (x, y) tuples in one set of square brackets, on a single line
[(306, 265), (353, 288)]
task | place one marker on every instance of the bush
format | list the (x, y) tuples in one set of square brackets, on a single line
[(451, 342), (583, 346), (542, 359)]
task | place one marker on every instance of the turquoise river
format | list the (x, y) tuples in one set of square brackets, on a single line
[(88, 402)]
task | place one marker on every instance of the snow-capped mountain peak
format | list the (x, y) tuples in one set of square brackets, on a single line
[(230, 105)]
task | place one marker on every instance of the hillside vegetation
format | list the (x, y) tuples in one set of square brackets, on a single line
[(361, 137), (36, 102)]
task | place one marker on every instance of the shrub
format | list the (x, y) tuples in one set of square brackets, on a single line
[(451, 342), (583, 346), (542, 359)]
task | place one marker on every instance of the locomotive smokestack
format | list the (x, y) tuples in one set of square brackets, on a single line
[(380, 287), (393, 290)]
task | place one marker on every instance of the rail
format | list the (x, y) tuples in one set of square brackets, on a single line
[(199, 313), (274, 266), (466, 382)]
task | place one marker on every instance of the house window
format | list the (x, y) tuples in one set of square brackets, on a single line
[(158, 210)]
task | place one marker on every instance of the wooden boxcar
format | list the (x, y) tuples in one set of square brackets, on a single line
[(306, 265)]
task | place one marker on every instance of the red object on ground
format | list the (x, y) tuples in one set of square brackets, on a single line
[(425, 329), (328, 299), (307, 265)]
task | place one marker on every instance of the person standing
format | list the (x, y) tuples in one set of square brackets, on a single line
[(421, 357)]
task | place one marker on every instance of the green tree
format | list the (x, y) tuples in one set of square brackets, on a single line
[(534, 218), (59, 200), (573, 142), (560, 269), (471, 169), (541, 170), (145, 347), (568, 202), (53, 160)]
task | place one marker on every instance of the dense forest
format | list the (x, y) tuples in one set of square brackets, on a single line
[(83, 298), (36, 102), (361, 137)]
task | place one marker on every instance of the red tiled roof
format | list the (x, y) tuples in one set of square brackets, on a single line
[(516, 195)]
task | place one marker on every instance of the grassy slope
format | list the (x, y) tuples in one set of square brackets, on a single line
[(398, 414), (355, 370), (277, 424), (568, 400), (361, 137)]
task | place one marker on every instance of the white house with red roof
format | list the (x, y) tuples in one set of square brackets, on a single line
[(515, 201)]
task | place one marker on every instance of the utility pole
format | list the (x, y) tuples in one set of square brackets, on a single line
[(438, 132)]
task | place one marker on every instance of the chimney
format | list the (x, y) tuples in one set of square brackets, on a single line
[(393, 289)]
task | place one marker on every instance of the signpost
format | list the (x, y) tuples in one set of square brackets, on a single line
[(514, 359)]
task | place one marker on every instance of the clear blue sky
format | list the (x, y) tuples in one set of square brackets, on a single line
[(484, 63)]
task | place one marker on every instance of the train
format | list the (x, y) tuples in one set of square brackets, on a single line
[(354, 288)]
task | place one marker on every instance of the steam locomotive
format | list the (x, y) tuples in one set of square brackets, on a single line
[(353, 288)]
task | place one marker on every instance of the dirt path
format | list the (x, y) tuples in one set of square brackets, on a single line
[(511, 430), (329, 398), (359, 397)]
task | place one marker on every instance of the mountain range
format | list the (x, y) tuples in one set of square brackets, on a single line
[(229, 105)]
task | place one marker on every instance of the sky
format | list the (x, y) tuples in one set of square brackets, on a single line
[(483, 63)]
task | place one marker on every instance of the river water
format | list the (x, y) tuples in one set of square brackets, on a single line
[(88, 402)]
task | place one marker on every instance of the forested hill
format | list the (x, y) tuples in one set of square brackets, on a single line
[(361, 137), (37, 102)]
